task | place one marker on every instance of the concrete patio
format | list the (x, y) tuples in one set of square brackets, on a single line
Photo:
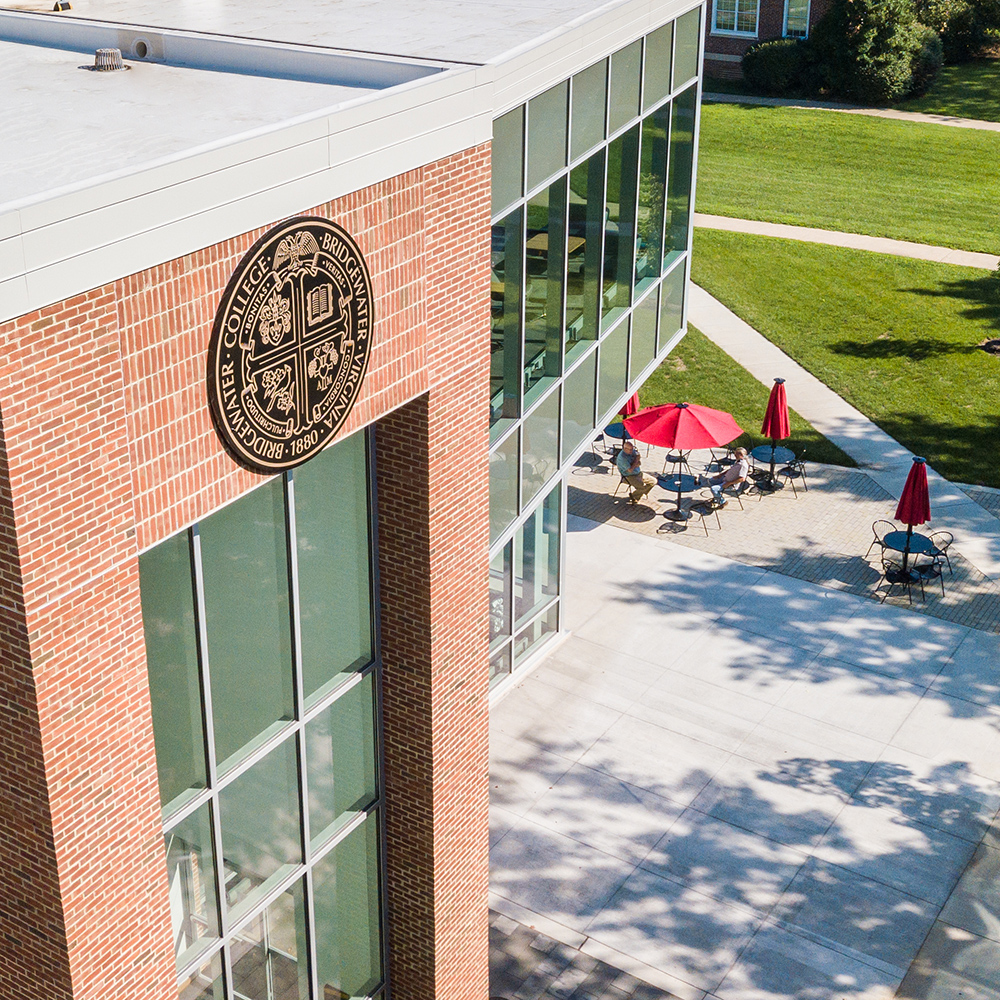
[(733, 781)]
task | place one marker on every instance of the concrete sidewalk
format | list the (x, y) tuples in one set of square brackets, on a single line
[(854, 109), (735, 785), (830, 237), (887, 462)]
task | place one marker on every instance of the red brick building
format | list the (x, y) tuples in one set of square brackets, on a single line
[(245, 710)]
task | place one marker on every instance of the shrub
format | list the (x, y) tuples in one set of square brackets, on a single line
[(773, 67), (863, 50), (927, 61), (965, 26)]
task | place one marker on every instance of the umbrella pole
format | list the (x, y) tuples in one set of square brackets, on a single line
[(906, 547), (772, 460)]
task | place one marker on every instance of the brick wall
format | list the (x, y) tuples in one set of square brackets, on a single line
[(434, 563), (109, 449)]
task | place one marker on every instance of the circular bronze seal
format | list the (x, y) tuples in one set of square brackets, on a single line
[(290, 344)]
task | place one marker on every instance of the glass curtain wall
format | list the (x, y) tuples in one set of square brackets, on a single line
[(592, 185), (263, 675)]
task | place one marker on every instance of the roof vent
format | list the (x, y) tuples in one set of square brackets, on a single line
[(108, 60)]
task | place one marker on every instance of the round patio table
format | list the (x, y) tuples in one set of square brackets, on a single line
[(678, 484), (765, 453), (920, 544), (618, 432)]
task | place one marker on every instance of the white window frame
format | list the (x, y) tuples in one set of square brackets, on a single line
[(784, 21), (733, 32)]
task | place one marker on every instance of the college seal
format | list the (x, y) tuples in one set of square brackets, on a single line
[(290, 344)]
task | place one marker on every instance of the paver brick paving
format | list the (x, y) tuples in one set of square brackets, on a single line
[(821, 536)]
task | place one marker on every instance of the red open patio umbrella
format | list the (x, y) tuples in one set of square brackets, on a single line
[(631, 406), (775, 424), (914, 505), (683, 426)]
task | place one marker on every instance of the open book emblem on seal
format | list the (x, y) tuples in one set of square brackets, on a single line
[(290, 344)]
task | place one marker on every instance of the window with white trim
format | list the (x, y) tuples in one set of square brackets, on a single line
[(738, 17), (796, 18)]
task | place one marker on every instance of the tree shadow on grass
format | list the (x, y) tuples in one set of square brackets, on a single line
[(915, 348), (981, 294)]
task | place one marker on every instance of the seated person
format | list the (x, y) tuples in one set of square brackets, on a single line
[(733, 476), (628, 466)]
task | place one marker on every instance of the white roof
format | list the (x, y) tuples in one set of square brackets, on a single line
[(236, 113)]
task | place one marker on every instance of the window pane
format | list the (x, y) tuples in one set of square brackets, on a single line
[(529, 638), (346, 905), (269, 953), (500, 593), (172, 662), (547, 133), (725, 16), (679, 178), (671, 304), (205, 984), (503, 485), (194, 910), (545, 263), (652, 184), (505, 322), (642, 349), (540, 437), (590, 93), (340, 760), (656, 68), (508, 159), (619, 227), (614, 356), (583, 280), (536, 559), (245, 567), (259, 812), (688, 36), (579, 391), (500, 663), (332, 543), (797, 18), (624, 100)]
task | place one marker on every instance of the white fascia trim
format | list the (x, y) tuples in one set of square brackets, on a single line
[(73, 240)]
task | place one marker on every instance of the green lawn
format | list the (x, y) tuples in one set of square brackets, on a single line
[(699, 372), (968, 91), (852, 173), (895, 337)]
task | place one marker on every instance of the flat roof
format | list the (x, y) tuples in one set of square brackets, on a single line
[(63, 124), (474, 31)]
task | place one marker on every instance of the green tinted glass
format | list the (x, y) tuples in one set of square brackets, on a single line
[(191, 874), (332, 542), (205, 983), (245, 567), (590, 91), (656, 67), (507, 159), (346, 906), (547, 116), (172, 663), (540, 448), (614, 355), (688, 33), (259, 812), (578, 404), (269, 952), (503, 485), (340, 760)]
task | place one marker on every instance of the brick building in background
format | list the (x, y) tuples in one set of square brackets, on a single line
[(732, 26), (245, 710)]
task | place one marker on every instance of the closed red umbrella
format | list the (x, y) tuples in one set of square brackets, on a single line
[(683, 426), (914, 505), (631, 406), (775, 424)]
